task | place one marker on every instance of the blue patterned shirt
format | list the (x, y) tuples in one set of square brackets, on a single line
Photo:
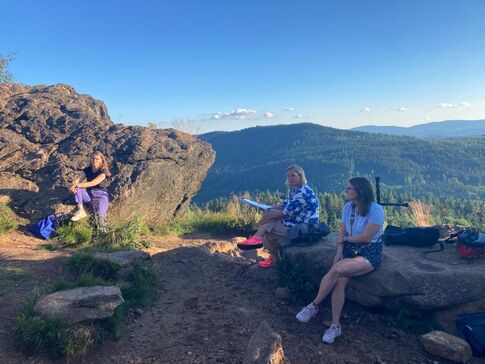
[(301, 206)]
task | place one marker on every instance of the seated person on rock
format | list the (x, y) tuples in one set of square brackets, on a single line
[(92, 190), (359, 251), (300, 206)]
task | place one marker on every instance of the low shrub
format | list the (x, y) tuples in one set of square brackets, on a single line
[(7, 219), (291, 274), (84, 263), (78, 234), (35, 334)]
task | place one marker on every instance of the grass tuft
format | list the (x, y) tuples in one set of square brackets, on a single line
[(7, 219)]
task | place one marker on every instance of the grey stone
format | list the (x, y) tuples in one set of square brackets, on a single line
[(447, 346), (80, 304), (265, 347), (123, 258), (407, 278)]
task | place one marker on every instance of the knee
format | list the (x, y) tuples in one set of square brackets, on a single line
[(341, 283)]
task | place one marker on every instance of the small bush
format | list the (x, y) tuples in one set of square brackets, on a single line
[(84, 280), (233, 218), (86, 264), (35, 334), (7, 219), (78, 234), (123, 236), (141, 290)]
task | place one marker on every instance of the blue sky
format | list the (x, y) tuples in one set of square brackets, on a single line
[(223, 65)]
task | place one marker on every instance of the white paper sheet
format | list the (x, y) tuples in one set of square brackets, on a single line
[(255, 204)]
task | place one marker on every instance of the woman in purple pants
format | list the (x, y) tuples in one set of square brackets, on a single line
[(92, 189)]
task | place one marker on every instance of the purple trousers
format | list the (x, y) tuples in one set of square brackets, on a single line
[(98, 199)]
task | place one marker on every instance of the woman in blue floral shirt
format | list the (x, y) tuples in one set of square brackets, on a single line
[(300, 206)]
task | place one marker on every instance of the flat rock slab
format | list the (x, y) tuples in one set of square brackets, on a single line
[(408, 276), (80, 304), (447, 346), (123, 258)]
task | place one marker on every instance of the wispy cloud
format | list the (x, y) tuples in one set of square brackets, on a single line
[(445, 105), (289, 108), (299, 116), (465, 104), (426, 118), (268, 115), (402, 108), (239, 113), (365, 109)]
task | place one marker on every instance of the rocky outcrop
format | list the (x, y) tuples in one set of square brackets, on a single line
[(447, 346), (48, 132), (265, 347), (407, 278), (80, 304)]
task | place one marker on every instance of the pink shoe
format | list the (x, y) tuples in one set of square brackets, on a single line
[(253, 242), (267, 263)]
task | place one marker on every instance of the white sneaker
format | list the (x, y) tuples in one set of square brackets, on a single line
[(331, 333), (80, 214), (307, 313)]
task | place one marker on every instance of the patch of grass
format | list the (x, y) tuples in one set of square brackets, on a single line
[(84, 280), (235, 219), (82, 263), (291, 274), (123, 235), (47, 247), (35, 334), (141, 290), (7, 219), (78, 234), (8, 275)]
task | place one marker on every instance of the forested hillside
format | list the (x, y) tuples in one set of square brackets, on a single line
[(255, 159)]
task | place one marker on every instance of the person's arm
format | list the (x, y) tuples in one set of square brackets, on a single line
[(277, 207), (366, 237), (271, 214), (100, 178)]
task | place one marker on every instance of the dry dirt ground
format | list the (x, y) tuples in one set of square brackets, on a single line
[(209, 304)]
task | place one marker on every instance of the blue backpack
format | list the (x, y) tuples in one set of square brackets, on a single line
[(45, 228)]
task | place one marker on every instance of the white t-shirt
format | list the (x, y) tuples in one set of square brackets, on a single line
[(375, 216)]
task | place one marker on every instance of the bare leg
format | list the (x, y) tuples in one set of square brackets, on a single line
[(344, 268), (338, 299)]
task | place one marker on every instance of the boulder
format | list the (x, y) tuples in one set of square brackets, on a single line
[(407, 278), (80, 304), (47, 134), (447, 346), (265, 347), (123, 258)]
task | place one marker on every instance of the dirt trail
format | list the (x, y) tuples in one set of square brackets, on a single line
[(206, 312)]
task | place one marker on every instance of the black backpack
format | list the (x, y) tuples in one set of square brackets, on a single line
[(471, 327), (307, 234), (415, 236)]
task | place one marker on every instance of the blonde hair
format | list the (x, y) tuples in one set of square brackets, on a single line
[(299, 171), (104, 163)]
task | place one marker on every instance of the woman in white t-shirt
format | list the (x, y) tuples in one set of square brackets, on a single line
[(359, 251)]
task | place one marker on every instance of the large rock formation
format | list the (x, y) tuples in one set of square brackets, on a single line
[(48, 132), (408, 277)]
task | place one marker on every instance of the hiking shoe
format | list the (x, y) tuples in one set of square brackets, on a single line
[(331, 333), (80, 214), (307, 313), (253, 242), (267, 262)]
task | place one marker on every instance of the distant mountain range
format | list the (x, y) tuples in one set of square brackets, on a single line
[(439, 129), (255, 160)]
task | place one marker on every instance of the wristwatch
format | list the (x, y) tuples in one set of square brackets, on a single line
[(345, 238)]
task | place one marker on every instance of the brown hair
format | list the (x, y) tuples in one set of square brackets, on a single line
[(364, 190), (104, 164)]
